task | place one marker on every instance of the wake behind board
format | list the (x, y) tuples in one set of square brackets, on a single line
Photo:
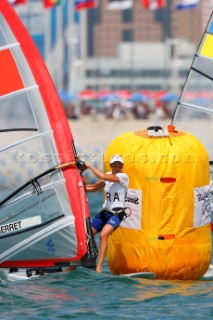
[(143, 275)]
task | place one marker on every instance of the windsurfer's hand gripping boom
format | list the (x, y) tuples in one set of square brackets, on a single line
[(81, 165)]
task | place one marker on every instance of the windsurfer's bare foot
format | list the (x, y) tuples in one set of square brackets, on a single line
[(99, 270)]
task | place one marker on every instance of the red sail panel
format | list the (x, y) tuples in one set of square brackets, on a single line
[(10, 79)]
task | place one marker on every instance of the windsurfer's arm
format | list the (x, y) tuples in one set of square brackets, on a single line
[(96, 186), (101, 175)]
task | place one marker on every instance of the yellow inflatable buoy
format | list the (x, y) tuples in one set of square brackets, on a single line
[(168, 229)]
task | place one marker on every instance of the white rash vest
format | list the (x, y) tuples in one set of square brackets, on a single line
[(116, 192)]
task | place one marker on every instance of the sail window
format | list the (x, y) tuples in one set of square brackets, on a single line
[(21, 111), (16, 112)]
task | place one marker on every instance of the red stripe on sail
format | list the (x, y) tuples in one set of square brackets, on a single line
[(10, 79)]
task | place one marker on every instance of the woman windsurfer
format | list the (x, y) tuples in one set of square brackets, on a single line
[(115, 184)]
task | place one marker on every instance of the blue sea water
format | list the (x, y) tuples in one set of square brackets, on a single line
[(85, 294)]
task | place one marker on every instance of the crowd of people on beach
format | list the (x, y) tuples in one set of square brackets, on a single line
[(118, 110), (124, 104)]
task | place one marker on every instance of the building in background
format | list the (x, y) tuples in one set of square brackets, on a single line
[(104, 49), (142, 49)]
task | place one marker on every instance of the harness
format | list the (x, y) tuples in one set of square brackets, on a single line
[(119, 212)]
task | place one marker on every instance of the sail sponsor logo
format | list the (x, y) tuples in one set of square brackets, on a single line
[(21, 224), (50, 246)]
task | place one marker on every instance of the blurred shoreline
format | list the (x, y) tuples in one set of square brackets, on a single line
[(94, 133)]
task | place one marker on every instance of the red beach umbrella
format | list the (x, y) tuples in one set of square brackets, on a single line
[(87, 94)]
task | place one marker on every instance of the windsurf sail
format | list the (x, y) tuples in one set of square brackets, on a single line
[(194, 110), (44, 215)]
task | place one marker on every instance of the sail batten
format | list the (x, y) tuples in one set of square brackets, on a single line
[(202, 73), (31, 138), (18, 129), (24, 90), (10, 46), (195, 107)]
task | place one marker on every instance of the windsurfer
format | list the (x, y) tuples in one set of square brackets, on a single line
[(115, 184)]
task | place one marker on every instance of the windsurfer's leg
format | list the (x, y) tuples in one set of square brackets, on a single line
[(106, 231), (111, 225), (94, 231)]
